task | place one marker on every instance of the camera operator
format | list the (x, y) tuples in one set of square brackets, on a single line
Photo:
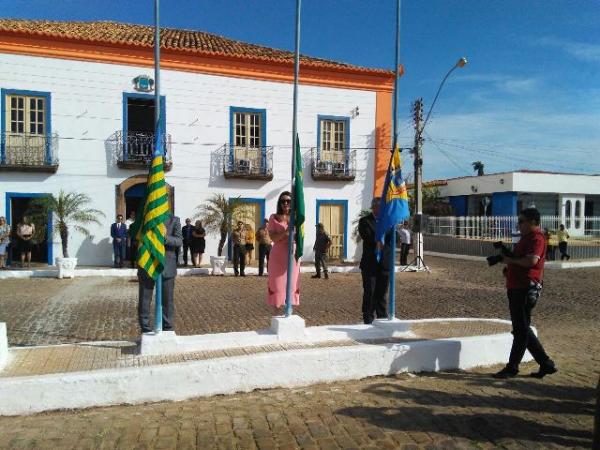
[(524, 272)]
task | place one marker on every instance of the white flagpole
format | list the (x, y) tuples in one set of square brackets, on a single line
[(290, 269)]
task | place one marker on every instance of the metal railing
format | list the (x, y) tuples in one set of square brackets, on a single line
[(248, 162), (497, 227), (135, 150), (24, 151), (336, 165)]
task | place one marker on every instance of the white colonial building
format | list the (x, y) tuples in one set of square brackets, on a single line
[(570, 197), (77, 114)]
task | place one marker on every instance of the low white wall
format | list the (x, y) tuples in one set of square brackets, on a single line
[(3, 346), (27, 395)]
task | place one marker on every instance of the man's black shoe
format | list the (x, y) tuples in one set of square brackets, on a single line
[(326, 276), (543, 371), (316, 276), (507, 372)]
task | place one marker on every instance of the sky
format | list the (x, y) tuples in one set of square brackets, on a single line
[(529, 98)]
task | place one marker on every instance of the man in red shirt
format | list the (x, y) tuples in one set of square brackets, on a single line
[(524, 273)]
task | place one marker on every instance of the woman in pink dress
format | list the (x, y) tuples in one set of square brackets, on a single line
[(278, 259)]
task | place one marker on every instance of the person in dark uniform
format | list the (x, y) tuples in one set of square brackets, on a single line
[(322, 244), (375, 275), (186, 233), (524, 273), (173, 241)]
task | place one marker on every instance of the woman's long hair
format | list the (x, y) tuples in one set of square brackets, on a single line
[(279, 207)]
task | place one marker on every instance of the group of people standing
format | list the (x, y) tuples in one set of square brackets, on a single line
[(194, 242), (243, 239), (24, 242)]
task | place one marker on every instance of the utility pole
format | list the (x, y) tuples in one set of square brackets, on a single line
[(418, 186)]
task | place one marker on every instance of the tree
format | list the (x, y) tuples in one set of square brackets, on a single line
[(433, 204), (69, 210), (217, 215), (478, 167)]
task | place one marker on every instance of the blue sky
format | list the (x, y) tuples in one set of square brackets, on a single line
[(529, 97)]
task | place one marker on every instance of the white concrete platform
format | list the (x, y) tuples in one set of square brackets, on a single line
[(3, 346), (366, 355)]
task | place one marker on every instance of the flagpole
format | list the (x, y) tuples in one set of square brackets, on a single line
[(392, 302), (290, 268), (158, 142)]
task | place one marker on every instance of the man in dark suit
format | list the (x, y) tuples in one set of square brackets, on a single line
[(173, 241), (375, 275), (118, 232), (186, 232)]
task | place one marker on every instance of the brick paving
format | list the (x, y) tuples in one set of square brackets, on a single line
[(441, 410)]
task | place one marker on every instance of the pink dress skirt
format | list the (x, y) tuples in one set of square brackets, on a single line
[(278, 262)]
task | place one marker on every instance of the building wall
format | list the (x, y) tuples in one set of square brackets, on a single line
[(87, 110)]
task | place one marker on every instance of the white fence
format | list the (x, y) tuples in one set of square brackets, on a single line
[(498, 227)]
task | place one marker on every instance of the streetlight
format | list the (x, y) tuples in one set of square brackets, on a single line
[(419, 165)]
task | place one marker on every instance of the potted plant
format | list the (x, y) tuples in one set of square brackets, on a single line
[(217, 214), (69, 210)]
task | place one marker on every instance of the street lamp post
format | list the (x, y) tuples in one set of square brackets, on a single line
[(420, 126)]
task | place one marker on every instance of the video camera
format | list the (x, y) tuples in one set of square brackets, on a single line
[(504, 251)]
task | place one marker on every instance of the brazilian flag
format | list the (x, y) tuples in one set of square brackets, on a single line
[(299, 209)]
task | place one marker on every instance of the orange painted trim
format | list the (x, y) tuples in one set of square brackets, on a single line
[(187, 61), (383, 138)]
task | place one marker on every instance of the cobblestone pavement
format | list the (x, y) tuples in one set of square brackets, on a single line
[(442, 410)]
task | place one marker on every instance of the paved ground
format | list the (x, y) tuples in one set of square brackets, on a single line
[(444, 410)]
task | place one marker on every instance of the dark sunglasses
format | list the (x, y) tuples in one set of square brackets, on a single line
[(286, 201)]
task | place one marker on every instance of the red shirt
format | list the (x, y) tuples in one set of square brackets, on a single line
[(532, 244)]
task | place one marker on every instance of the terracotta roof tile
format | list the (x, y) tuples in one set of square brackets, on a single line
[(186, 40)]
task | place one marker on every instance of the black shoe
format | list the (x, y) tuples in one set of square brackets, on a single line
[(326, 276), (316, 276), (147, 330), (507, 372), (242, 274), (544, 370)]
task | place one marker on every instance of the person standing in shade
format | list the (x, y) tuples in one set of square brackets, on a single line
[(524, 278), (25, 232), (238, 238), (563, 237), (198, 243), (375, 274), (404, 243), (322, 244), (264, 247), (249, 246), (173, 241), (278, 262), (4, 241), (118, 232), (186, 232), (131, 240)]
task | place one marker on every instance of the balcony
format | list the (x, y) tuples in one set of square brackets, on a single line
[(250, 163), (25, 152), (135, 150), (333, 165)]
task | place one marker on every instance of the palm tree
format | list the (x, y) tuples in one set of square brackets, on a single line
[(217, 213), (69, 209), (478, 166)]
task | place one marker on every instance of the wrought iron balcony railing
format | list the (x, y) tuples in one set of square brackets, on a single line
[(29, 152), (333, 165), (252, 163), (135, 150)]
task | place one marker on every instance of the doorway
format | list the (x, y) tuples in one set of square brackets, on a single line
[(18, 206), (251, 212), (333, 214)]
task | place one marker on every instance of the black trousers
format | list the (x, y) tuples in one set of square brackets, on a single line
[(187, 247), (264, 250), (404, 248), (375, 285), (320, 262), (239, 259), (562, 248), (133, 253), (523, 336), (146, 288)]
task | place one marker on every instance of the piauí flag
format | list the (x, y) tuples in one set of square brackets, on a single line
[(151, 229), (394, 200), (299, 210)]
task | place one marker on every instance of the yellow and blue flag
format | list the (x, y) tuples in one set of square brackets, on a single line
[(150, 230), (394, 200)]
